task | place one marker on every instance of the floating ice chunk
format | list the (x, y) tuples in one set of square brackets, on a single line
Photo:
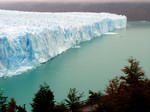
[(143, 21), (111, 33), (28, 39), (77, 46)]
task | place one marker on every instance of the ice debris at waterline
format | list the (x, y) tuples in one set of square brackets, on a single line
[(28, 39)]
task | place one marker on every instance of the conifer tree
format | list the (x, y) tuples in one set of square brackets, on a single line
[(73, 100), (43, 100), (133, 72), (2, 102)]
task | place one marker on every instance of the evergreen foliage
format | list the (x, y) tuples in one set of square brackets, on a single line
[(133, 73), (61, 107), (43, 100), (94, 97), (74, 100), (2, 102), (128, 93), (21, 108)]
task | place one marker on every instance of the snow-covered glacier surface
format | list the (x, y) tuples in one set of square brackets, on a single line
[(28, 39)]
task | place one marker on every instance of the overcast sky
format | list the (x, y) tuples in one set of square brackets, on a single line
[(75, 0)]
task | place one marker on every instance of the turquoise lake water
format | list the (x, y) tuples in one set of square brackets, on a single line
[(89, 67)]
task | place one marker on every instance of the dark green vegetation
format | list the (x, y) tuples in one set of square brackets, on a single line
[(10, 106), (73, 101), (43, 100), (128, 93)]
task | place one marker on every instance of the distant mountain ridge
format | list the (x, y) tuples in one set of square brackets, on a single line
[(138, 11)]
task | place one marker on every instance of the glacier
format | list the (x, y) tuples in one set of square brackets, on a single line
[(28, 39)]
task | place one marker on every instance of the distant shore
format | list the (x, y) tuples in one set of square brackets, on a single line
[(133, 11)]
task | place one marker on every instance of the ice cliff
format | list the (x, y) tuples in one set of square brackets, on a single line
[(28, 39)]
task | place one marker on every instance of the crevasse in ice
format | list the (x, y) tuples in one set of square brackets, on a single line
[(28, 39)]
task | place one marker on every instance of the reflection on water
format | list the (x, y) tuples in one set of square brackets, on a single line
[(87, 68)]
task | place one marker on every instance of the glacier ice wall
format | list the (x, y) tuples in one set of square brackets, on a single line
[(28, 39)]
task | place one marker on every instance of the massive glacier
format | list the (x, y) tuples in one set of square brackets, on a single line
[(28, 39)]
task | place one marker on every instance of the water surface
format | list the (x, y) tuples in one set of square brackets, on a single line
[(89, 67)]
